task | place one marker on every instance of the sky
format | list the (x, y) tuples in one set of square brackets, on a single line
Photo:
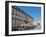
[(35, 12)]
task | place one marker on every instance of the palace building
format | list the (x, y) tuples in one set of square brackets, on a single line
[(20, 19)]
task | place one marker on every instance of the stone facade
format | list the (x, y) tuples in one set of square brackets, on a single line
[(20, 19)]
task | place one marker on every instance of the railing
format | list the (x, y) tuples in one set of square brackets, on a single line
[(22, 18)]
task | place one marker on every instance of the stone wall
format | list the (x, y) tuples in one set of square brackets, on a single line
[(20, 19)]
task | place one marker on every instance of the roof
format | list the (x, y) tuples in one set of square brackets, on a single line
[(20, 10)]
